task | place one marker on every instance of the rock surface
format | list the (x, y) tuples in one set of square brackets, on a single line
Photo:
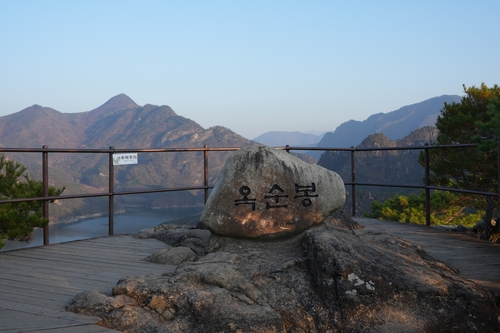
[(267, 193), (327, 279)]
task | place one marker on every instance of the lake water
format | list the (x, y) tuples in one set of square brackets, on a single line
[(132, 221)]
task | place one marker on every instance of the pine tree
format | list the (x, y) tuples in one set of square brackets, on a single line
[(19, 219), (473, 120)]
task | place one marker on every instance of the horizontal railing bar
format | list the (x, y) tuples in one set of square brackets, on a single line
[(62, 197), (465, 145), (194, 188), (52, 150), (128, 150), (164, 190), (172, 150), (314, 148), (95, 195), (223, 149), (437, 188), (386, 185), (451, 189), (416, 147)]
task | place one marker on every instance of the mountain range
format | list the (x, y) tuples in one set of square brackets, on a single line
[(395, 125), (282, 138), (121, 123), (399, 167)]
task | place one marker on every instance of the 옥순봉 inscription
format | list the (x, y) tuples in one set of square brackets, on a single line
[(265, 193)]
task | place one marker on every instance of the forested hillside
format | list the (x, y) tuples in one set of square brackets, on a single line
[(381, 167)]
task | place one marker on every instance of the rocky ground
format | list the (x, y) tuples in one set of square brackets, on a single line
[(324, 280)]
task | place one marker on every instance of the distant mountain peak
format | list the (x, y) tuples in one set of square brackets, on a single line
[(120, 101), (37, 108)]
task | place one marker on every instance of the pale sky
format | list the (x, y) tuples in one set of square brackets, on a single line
[(252, 66)]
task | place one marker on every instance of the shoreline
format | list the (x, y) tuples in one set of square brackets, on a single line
[(121, 211)]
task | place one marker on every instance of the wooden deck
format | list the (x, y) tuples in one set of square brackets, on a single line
[(37, 283), (474, 259)]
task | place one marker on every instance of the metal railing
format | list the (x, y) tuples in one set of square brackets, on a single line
[(45, 199), (427, 187), (111, 193)]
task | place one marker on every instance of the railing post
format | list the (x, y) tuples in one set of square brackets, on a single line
[(205, 171), (111, 189), (498, 171), (427, 183), (45, 189), (353, 180)]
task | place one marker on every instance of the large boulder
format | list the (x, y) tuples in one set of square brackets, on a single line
[(267, 193), (324, 280)]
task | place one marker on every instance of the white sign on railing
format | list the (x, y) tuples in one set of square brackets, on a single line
[(127, 158)]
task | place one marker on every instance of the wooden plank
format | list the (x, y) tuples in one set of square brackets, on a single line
[(62, 262), (54, 268), (102, 239), (24, 283), (35, 292), (110, 242), (18, 321), (77, 329), (81, 252), (122, 249), (80, 267), (60, 282), (127, 238), (20, 275), (22, 299), (125, 246), (68, 257), (69, 280), (33, 323), (102, 253), (48, 312), (128, 242)]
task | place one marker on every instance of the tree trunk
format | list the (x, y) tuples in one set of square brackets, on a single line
[(489, 228)]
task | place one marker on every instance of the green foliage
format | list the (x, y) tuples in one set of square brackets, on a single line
[(489, 130), (18, 220), (474, 120), (446, 209), (468, 168)]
